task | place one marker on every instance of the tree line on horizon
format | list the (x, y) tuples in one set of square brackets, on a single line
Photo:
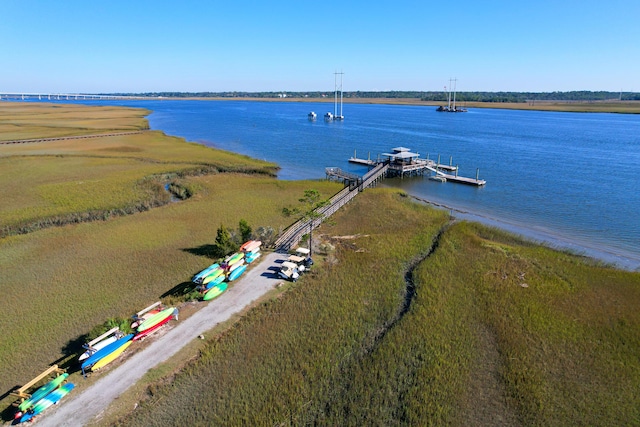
[(432, 96)]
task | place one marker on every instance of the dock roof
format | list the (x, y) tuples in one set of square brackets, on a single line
[(402, 155)]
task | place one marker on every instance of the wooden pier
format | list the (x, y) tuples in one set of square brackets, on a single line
[(404, 163)]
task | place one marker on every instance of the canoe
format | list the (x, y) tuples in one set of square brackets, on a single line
[(110, 358), (215, 281), (42, 392), (94, 358), (254, 256), (205, 272), (98, 346), (155, 319), (212, 276), (50, 399), (236, 273), (215, 291), (151, 330)]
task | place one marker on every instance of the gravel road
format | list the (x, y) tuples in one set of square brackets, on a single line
[(82, 408)]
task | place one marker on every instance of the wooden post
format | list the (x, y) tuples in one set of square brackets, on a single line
[(477, 173), (456, 171), (450, 160)]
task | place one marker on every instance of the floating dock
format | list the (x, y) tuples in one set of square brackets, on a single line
[(403, 162)]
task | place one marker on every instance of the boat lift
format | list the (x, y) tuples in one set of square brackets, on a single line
[(21, 392)]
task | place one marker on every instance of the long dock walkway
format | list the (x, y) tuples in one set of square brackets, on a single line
[(292, 236)]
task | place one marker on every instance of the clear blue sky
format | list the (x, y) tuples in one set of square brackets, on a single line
[(282, 45)]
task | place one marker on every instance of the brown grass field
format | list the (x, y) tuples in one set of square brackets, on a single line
[(407, 318)]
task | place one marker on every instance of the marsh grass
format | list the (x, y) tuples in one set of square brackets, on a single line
[(500, 330), (59, 283), (69, 181), (40, 120)]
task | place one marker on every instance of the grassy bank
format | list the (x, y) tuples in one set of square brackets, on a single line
[(58, 283), (74, 180), (499, 331)]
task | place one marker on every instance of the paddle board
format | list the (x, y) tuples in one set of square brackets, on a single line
[(215, 291), (215, 281), (237, 272), (98, 346), (149, 331), (211, 276), (50, 399), (94, 358), (252, 257), (155, 319), (110, 358), (42, 392)]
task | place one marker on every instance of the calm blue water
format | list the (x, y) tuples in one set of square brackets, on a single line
[(565, 178)]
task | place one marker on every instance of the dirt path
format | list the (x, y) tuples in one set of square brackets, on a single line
[(83, 408)]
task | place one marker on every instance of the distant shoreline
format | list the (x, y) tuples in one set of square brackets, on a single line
[(620, 107), (609, 106)]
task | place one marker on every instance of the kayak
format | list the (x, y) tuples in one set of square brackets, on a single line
[(151, 330), (212, 275), (215, 291), (198, 277), (94, 358), (215, 281), (237, 272), (110, 358), (42, 392), (155, 319), (50, 399)]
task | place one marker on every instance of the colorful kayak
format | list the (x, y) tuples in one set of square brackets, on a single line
[(42, 392), (252, 257), (236, 265), (232, 259), (212, 276), (198, 277), (215, 291), (155, 319), (98, 346), (94, 358), (251, 246), (110, 358), (215, 281), (151, 330), (236, 273), (246, 244), (50, 399)]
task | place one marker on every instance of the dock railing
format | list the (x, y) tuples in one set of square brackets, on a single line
[(294, 233)]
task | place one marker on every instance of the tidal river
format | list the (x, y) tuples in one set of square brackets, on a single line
[(568, 179)]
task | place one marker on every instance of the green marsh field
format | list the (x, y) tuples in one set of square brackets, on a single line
[(407, 318)]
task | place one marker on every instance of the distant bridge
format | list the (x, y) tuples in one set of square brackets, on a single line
[(48, 96)]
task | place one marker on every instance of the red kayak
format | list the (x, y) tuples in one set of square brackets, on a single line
[(151, 330)]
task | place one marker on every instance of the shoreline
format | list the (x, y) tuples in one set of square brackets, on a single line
[(624, 261)]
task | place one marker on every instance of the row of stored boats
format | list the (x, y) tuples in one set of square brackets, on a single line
[(210, 282)]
